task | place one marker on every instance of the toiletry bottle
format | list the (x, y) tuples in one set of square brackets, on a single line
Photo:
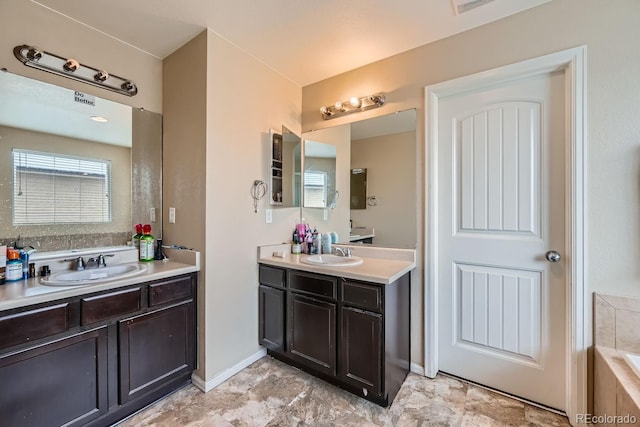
[(137, 236), (317, 244), (3, 264), (14, 266), (309, 242), (295, 243), (146, 244), (24, 258), (326, 243)]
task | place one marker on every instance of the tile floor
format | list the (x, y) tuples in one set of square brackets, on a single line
[(271, 393)]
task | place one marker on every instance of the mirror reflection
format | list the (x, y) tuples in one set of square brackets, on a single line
[(43, 121), (385, 147), (319, 175)]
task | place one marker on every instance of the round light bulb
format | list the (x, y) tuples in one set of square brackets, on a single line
[(355, 102), (324, 110), (338, 106)]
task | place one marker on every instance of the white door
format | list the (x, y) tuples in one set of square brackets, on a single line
[(501, 204)]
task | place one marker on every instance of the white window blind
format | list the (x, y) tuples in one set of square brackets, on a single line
[(315, 189), (56, 188)]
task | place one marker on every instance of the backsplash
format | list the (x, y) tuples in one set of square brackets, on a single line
[(71, 241)]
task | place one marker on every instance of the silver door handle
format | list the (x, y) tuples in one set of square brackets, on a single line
[(552, 256)]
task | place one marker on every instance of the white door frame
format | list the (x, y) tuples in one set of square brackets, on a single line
[(573, 63)]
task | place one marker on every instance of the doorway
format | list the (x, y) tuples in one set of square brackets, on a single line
[(505, 291)]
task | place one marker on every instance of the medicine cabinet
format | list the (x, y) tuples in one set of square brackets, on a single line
[(285, 161)]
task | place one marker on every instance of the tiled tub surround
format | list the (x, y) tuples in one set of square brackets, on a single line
[(31, 291), (616, 386)]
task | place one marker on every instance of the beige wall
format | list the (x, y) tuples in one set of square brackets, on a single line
[(391, 177), (25, 22), (183, 160), (218, 112), (610, 31)]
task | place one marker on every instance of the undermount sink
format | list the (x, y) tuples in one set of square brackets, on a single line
[(93, 275), (331, 260)]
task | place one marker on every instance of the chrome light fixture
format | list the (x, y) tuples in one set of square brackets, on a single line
[(353, 105), (35, 57)]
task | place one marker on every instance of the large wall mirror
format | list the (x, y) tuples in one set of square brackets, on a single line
[(385, 147), (75, 170)]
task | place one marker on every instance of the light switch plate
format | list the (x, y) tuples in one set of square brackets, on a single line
[(152, 214), (325, 214), (268, 216), (172, 215)]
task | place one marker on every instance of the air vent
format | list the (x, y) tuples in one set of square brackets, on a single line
[(462, 6)]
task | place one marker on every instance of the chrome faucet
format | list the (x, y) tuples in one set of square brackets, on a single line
[(80, 264), (97, 262), (343, 252)]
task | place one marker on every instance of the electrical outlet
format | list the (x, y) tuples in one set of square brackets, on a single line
[(172, 215), (268, 213), (152, 214)]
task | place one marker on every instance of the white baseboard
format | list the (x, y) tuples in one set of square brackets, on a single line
[(417, 369), (214, 382)]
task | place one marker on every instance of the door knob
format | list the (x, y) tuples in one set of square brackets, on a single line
[(552, 256)]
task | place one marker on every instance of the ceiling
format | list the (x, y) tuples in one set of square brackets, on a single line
[(304, 40)]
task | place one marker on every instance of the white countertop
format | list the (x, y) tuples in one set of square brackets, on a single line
[(379, 265), (31, 291)]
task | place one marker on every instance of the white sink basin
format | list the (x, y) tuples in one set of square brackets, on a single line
[(93, 275), (331, 260)]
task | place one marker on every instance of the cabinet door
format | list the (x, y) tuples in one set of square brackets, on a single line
[(312, 333), (361, 349), (63, 382), (271, 314), (154, 348)]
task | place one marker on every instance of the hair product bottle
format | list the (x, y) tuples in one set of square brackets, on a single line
[(147, 249)]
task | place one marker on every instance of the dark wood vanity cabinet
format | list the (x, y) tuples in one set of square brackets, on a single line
[(351, 333), (311, 320), (103, 357), (59, 382), (271, 308)]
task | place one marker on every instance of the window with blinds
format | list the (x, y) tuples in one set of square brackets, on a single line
[(56, 188), (315, 189)]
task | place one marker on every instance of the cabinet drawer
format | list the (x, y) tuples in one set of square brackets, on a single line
[(362, 295), (31, 325), (174, 290), (272, 276), (103, 307), (313, 284)]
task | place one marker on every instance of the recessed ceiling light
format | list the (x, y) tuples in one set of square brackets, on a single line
[(99, 119)]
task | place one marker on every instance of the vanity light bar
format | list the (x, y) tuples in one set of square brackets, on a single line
[(353, 105), (32, 56)]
